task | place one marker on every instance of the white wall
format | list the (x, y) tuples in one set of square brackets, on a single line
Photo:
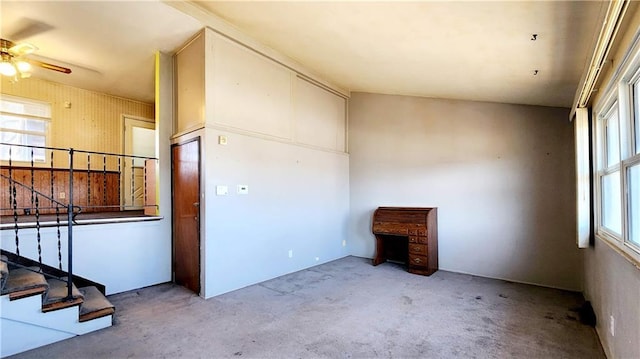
[(298, 200), (613, 286), (120, 256), (502, 177)]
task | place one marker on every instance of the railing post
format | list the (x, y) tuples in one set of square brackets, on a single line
[(70, 228)]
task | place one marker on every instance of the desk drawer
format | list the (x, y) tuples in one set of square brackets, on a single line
[(416, 239), (386, 228), (417, 260), (418, 249)]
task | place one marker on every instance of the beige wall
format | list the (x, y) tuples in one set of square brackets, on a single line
[(94, 121), (612, 282), (502, 177)]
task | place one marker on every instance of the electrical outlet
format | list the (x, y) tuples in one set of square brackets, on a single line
[(317, 259), (344, 242), (290, 253), (62, 195), (612, 325)]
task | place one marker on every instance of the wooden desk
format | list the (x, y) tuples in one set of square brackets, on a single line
[(407, 234)]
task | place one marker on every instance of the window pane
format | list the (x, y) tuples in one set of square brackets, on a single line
[(22, 153), (38, 153), (36, 125), (611, 206), (636, 105), (25, 107), (634, 204), (11, 122), (10, 137), (612, 139), (17, 153)]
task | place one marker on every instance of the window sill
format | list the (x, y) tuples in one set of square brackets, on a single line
[(626, 253)]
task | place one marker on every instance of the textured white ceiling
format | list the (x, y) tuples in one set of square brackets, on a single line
[(462, 50), (452, 49)]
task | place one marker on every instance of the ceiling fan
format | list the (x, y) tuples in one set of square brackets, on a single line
[(15, 62)]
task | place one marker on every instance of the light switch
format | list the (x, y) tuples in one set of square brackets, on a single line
[(222, 190), (243, 189), (222, 140)]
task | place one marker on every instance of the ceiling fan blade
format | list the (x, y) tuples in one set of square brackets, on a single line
[(48, 66), (23, 48), (26, 27)]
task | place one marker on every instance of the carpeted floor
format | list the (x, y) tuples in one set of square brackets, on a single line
[(343, 309)]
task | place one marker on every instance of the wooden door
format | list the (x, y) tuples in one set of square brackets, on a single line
[(186, 214)]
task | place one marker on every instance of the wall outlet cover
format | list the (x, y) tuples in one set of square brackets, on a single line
[(222, 190)]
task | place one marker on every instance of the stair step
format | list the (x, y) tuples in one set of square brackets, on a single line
[(95, 304), (4, 271), (24, 282), (56, 296)]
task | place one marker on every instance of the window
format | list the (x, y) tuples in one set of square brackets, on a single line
[(610, 174), (618, 164), (632, 169), (23, 122), (634, 204), (636, 117)]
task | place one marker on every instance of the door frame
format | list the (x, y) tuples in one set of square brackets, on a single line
[(174, 143), (133, 121)]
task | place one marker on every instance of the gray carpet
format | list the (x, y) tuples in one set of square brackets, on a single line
[(343, 309)]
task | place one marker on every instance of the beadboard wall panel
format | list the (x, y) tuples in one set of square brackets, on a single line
[(93, 122)]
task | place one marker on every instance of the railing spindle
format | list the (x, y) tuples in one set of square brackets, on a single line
[(52, 183), (89, 180), (32, 180), (70, 229), (120, 192), (15, 217), (104, 180), (144, 183), (10, 176), (38, 230), (133, 183), (59, 242)]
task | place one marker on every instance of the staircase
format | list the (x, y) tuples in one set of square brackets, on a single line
[(36, 311)]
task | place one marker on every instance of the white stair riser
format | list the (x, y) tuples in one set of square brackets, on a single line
[(24, 326), (18, 337)]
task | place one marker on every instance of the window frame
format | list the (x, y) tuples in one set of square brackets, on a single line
[(622, 94), (603, 167), (25, 117)]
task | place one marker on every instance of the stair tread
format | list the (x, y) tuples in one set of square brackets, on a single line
[(95, 304), (4, 271), (23, 282), (56, 296)]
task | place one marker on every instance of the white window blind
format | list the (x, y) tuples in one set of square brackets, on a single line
[(583, 194)]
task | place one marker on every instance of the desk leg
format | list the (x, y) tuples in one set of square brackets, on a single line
[(379, 256)]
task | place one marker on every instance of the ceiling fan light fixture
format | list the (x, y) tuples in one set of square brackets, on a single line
[(7, 68), (23, 66)]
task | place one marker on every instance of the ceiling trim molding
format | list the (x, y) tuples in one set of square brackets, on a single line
[(611, 24)]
